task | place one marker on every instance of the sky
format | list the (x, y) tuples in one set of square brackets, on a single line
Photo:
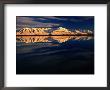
[(69, 22)]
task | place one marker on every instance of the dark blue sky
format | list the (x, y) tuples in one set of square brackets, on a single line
[(70, 22)]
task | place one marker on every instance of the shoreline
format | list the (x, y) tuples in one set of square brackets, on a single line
[(54, 35)]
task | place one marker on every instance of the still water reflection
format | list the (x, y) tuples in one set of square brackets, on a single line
[(54, 55)]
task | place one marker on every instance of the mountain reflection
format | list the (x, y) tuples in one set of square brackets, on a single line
[(59, 39)]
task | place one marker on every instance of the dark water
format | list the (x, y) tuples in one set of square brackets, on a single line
[(54, 55)]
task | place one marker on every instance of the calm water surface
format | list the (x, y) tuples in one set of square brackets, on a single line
[(54, 55)]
